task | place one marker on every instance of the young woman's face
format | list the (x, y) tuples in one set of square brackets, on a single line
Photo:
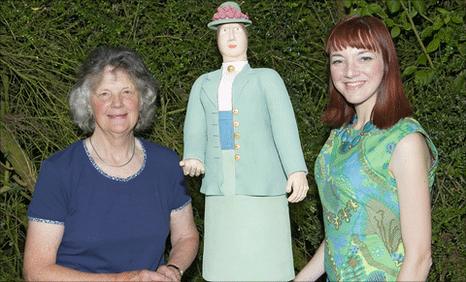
[(115, 102), (357, 74), (232, 41)]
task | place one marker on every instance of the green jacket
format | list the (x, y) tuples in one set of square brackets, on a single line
[(267, 146)]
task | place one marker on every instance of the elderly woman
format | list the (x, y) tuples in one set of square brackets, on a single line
[(103, 208), (376, 168)]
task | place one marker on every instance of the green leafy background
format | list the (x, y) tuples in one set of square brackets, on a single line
[(43, 42)]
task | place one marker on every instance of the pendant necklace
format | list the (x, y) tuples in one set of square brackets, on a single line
[(102, 160), (349, 140)]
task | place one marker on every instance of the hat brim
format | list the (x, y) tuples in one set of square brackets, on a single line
[(214, 24)]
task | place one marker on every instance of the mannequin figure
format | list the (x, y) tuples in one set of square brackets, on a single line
[(240, 131)]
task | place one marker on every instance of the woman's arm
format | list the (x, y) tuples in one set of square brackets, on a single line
[(315, 267), (410, 163), (42, 242), (184, 240)]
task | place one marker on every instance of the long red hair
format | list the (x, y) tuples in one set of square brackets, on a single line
[(367, 32)]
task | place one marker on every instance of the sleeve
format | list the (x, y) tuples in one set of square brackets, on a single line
[(195, 131), (178, 196), (414, 126), (283, 122), (49, 200)]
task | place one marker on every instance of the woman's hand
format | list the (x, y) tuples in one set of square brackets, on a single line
[(192, 167), (143, 275), (297, 182), (171, 273)]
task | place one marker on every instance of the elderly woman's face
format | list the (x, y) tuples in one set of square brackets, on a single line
[(115, 102)]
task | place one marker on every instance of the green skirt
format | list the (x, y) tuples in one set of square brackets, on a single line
[(246, 238)]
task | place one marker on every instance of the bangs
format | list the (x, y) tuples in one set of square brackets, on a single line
[(351, 33)]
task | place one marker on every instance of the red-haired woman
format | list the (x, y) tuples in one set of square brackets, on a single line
[(375, 171)]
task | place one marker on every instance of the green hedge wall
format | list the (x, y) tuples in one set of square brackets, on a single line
[(43, 42)]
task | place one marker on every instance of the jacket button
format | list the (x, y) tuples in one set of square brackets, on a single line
[(236, 135), (235, 111), (237, 146), (236, 123), (237, 157)]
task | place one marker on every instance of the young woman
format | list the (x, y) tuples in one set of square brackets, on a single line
[(375, 170)]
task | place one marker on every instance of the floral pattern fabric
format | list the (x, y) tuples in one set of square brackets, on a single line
[(360, 201)]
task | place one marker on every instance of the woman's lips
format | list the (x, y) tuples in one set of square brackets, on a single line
[(354, 85), (232, 46), (118, 116)]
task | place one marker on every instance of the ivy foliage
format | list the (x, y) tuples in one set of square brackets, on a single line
[(43, 42)]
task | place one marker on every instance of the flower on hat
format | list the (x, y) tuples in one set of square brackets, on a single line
[(229, 12)]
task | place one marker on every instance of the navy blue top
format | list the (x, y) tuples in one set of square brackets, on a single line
[(111, 224)]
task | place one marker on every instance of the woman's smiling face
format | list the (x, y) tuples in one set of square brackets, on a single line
[(357, 74), (115, 102)]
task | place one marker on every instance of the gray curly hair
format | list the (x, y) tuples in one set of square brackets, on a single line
[(90, 73)]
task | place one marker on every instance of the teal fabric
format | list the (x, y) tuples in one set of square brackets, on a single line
[(270, 149), (360, 201), (246, 238)]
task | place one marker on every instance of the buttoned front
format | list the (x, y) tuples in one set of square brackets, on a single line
[(264, 128)]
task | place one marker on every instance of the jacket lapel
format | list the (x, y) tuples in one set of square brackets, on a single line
[(240, 81), (211, 86)]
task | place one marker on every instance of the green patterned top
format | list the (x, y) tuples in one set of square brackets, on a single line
[(360, 201)]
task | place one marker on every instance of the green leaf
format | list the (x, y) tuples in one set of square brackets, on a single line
[(365, 11), (374, 8), (443, 11), (457, 19), (389, 22), (395, 31), (409, 70), (447, 19), (459, 84), (347, 3), (433, 45), (423, 77), (438, 23), (420, 6), (426, 32), (393, 5), (404, 21), (422, 60)]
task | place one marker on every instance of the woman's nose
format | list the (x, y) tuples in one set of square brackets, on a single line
[(116, 100), (351, 69)]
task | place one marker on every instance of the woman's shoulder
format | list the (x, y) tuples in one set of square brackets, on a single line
[(207, 75), (70, 154), (159, 150), (407, 125), (266, 72)]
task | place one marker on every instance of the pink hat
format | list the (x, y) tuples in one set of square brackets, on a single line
[(228, 12)]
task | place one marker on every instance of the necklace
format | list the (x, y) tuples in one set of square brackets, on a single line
[(349, 141), (122, 165)]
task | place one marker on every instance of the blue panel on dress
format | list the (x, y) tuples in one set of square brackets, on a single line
[(225, 121)]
